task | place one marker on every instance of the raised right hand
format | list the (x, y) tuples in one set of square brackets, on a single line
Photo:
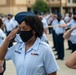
[(12, 34)]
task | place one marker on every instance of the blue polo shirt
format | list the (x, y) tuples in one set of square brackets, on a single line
[(60, 30), (71, 24), (38, 60), (73, 36), (54, 23), (2, 37)]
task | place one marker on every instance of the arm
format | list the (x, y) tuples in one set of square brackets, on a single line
[(71, 62), (51, 65), (4, 47), (63, 25), (46, 31), (68, 33), (54, 73)]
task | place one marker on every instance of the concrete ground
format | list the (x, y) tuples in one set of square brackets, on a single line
[(10, 69)]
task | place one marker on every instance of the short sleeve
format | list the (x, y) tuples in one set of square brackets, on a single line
[(2, 34), (73, 37), (10, 54), (50, 62), (62, 22)]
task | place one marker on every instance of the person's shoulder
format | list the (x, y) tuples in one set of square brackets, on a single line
[(45, 45), (71, 21), (45, 48), (17, 45), (42, 45)]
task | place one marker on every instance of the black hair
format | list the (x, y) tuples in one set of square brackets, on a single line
[(10, 15), (36, 24)]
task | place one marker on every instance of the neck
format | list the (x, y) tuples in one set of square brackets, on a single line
[(30, 42)]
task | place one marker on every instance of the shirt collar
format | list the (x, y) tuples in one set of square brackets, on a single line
[(34, 46), (22, 46)]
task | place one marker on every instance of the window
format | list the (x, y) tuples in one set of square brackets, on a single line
[(74, 1), (68, 1)]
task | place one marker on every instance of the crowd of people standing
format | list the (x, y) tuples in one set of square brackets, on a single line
[(60, 26)]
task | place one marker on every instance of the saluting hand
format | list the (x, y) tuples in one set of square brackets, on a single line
[(12, 34)]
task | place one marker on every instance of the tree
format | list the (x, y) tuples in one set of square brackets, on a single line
[(40, 5)]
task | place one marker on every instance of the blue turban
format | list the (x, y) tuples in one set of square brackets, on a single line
[(19, 17)]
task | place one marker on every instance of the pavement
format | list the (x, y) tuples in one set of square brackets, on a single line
[(10, 69)]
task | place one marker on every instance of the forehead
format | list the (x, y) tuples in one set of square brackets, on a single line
[(23, 24)]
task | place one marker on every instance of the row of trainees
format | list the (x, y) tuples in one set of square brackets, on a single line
[(10, 23), (54, 20), (64, 28), (59, 28), (69, 24), (29, 41)]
